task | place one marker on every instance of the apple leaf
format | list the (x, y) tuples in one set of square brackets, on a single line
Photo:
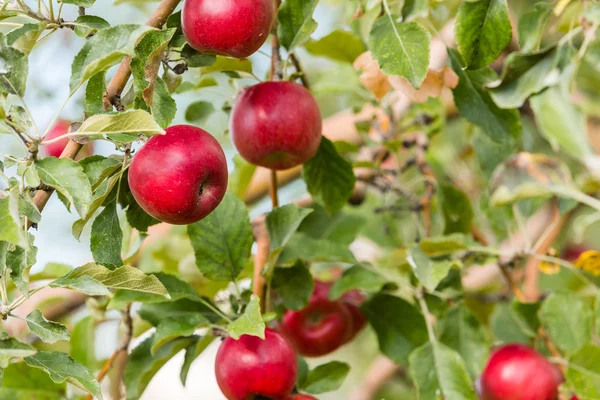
[(192, 352), (103, 50), (240, 178), (357, 277), (83, 342), (329, 177), (155, 313), (20, 261), (401, 48), (282, 222), (430, 272), (339, 45), (10, 222), (437, 368), (226, 64), (223, 240), (482, 31), (61, 367), (568, 319), (94, 94), (400, 327), (122, 127), (476, 105), (68, 178), (250, 323), (583, 373), (295, 285), (11, 348), (199, 111), (461, 331), (457, 208), (174, 327), (125, 277), (532, 27), (107, 237), (142, 365), (438, 246), (326, 377), (13, 76), (81, 3), (48, 331), (296, 22), (25, 37), (306, 247), (88, 25)]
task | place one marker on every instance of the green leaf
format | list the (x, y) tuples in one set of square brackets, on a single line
[(164, 107), (296, 22), (225, 64), (482, 31), (192, 352), (510, 327), (400, 327), (532, 27), (476, 105), (401, 48), (48, 331), (195, 59), (199, 111), (438, 246), (326, 377), (250, 323), (583, 373), (223, 240), (25, 37), (10, 223), (568, 319), (240, 178), (23, 381), (83, 343), (99, 168), (68, 178), (123, 127), (20, 261), (524, 75), (94, 94), (458, 212), (561, 122), (282, 222), (429, 272), (436, 368), (176, 288), (339, 45), (63, 368), (88, 25), (414, 9), (156, 312), (304, 246), (142, 365), (81, 3), (357, 277), (461, 331), (11, 349), (295, 285), (13, 76), (329, 177), (125, 277), (107, 238), (173, 327), (105, 49)]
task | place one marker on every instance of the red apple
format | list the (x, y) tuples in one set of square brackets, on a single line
[(276, 125), (251, 367), (234, 28), (55, 149), (301, 396), (517, 372), (353, 300), (180, 177), (573, 251)]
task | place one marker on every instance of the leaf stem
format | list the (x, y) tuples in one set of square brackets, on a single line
[(426, 314)]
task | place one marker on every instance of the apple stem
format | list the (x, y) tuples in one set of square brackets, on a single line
[(273, 189)]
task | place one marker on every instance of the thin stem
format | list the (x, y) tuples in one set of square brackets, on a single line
[(426, 314), (55, 118), (51, 10), (273, 189), (300, 70), (3, 291), (21, 299), (215, 310)]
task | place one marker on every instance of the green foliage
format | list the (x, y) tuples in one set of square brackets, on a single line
[(296, 22), (326, 377)]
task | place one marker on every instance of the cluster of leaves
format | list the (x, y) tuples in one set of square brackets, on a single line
[(422, 214)]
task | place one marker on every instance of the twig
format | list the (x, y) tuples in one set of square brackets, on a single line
[(123, 347), (300, 70), (421, 162), (260, 259)]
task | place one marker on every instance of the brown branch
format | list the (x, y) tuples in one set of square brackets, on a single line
[(123, 347), (276, 73), (260, 259)]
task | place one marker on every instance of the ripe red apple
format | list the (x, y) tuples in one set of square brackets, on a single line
[(301, 396), (180, 177), (233, 28), (55, 149), (353, 300), (276, 125), (517, 372), (251, 367)]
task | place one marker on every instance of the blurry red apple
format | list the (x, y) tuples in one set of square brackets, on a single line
[(353, 300), (276, 125), (55, 149), (180, 177), (517, 372), (301, 396), (251, 368), (233, 28), (572, 251)]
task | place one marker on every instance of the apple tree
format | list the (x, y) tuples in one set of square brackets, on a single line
[(401, 201)]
